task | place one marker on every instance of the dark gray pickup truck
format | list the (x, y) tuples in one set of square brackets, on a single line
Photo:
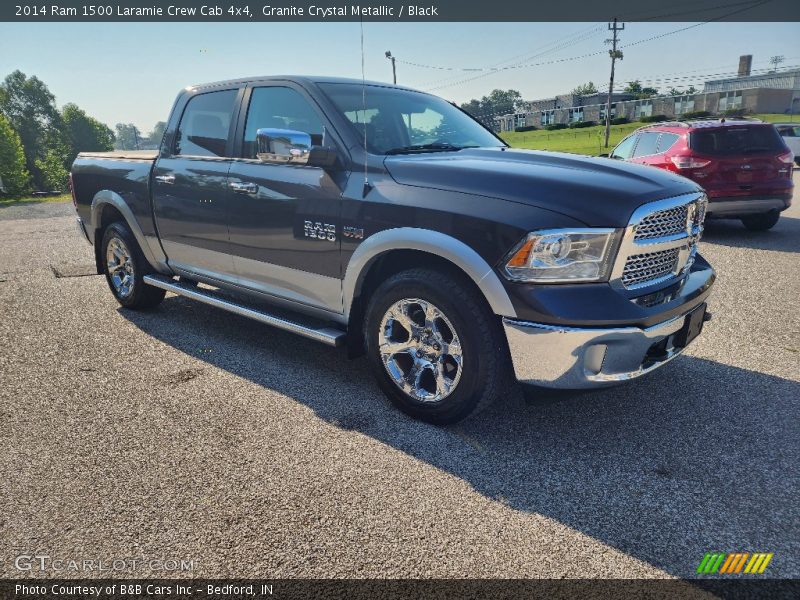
[(389, 221)]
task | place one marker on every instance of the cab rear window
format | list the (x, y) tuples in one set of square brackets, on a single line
[(726, 141)]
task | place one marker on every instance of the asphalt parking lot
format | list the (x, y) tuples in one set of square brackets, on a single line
[(191, 434)]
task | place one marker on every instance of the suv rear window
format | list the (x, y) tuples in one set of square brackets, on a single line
[(727, 141)]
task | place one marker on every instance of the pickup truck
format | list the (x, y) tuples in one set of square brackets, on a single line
[(389, 221)]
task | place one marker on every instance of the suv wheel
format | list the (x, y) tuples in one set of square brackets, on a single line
[(435, 347), (762, 221), (125, 266)]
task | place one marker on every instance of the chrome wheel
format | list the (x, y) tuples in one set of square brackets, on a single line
[(420, 349), (120, 267)]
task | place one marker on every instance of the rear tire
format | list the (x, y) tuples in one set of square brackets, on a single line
[(434, 346), (125, 266), (761, 221)]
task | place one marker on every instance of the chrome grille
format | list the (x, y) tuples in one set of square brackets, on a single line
[(647, 267), (663, 223), (660, 241)]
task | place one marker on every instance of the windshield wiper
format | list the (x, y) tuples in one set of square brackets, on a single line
[(438, 147)]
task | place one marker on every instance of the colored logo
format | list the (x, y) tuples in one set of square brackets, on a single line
[(732, 563)]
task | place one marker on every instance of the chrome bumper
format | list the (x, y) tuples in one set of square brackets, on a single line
[(566, 357)]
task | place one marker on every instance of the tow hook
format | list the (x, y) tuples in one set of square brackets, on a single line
[(707, 317)]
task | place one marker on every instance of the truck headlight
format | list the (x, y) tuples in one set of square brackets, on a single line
[(563, 255)]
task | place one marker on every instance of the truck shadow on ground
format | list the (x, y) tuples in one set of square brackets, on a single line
[(698, 456), (784, 237)]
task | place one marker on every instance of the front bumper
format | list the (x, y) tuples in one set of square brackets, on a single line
[(573, 358)]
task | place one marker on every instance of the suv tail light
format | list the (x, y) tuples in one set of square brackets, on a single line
[(72, 192), (689, 162), (787, 158)]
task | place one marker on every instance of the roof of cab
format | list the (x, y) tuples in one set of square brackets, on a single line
[(301, 79)]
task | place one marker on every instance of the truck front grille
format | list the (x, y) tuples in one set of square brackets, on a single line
[(663, 223), (643, 268), (660, 241)]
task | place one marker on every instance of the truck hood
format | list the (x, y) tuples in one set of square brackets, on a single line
[(600, 192)]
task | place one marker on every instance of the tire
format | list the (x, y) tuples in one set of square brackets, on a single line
[(450, 320), (761, 221), (124, 266)]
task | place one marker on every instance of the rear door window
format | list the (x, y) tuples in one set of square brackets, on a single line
[(648, 141), (728, 141), (204, 126)]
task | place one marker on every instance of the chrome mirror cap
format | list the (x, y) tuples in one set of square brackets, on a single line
[(283, 146)]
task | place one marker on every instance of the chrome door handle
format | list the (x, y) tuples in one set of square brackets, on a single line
[(167, 179), (242, 187)]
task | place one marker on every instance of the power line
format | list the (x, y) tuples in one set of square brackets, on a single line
[(486, 72)]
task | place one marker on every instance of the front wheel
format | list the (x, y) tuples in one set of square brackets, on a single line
[(434, 346), (761, 221), (125, 267)]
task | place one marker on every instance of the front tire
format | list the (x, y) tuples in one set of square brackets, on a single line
[(761, 221), (125, 267), (434, 346)]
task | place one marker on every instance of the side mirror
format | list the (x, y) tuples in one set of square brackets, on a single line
[(289, 147)]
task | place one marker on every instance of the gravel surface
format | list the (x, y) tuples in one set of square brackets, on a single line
[(188, 433)]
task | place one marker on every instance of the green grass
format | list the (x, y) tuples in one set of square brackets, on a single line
[(588, 140), (37, 199)]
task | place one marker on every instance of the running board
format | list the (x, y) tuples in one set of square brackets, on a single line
[(326, 335)]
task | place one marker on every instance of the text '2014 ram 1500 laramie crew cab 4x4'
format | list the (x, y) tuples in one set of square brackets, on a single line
[(389, 221)]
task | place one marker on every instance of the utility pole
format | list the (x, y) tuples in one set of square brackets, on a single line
[(394, 68), (615, 54)]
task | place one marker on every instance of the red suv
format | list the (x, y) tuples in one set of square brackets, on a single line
[(744, 165)]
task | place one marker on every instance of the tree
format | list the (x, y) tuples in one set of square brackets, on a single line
[(14, 176), (158, 132), (83, 133), (31, 110), (499, 102), (128, 136), (673, 91), (585, 89), (52, 172), (635, 88)]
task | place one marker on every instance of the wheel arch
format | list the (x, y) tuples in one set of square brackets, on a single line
[(108, 207), (442, 248)]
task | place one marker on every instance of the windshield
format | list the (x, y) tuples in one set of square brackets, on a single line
[(401, 121)]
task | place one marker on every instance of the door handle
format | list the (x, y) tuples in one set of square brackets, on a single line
[(167, 179), (244, 187)]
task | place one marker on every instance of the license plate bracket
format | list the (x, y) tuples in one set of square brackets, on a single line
[(692, 327)]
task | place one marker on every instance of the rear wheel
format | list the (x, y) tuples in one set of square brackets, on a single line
[(435, 348), (125, 266), (761, 221)]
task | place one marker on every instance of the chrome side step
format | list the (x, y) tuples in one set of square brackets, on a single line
[(326, 335)]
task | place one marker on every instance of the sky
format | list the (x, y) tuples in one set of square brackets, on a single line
[(131, 72)]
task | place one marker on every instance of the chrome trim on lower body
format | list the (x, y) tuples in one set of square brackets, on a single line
[(745, 206), (326, 335), (573, 358)]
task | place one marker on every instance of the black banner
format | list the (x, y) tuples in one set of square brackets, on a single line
[(400, 10), (128, 589)]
